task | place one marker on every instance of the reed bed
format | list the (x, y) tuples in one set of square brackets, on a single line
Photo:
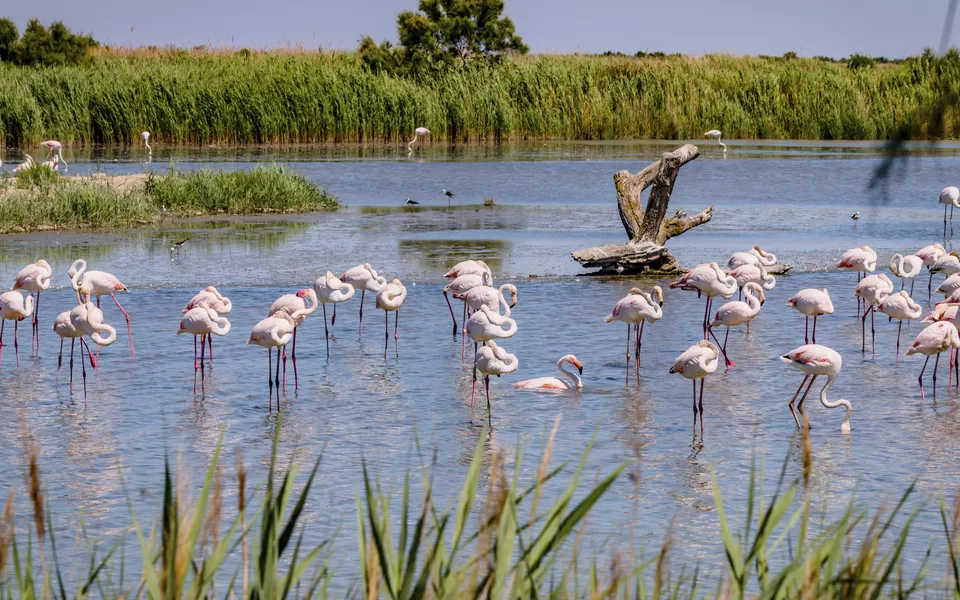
[(37, 199), (506, 541), (185, 97)]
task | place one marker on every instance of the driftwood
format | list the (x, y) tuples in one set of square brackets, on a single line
[(648, 228)]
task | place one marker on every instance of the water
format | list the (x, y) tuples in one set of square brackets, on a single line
[(794, 200)]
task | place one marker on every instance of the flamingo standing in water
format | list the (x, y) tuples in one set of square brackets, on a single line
[(492, 298), (949, 312), (950, 196), (930, 255), (906, 267), (478, 268), (14, 308), (863, 260), (275, 331), (736, 313), (331, 290), (34, 277), (391, 298), (715, 134), (816, 360), (754, 256), (950, 285), (98, 283), (635, 309), (203, 322), (298, 307), (364, 278), (812, 303), (872, 290), (696, 362), (708, 279), (210, 297), (83, 320), (935, 339), (145, 136), (899, 306), (55, 151), (418, 133), (948, 264), (491, 360), (569, 381), (755, 273)]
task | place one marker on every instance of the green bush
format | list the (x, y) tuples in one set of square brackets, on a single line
[(41, 46)]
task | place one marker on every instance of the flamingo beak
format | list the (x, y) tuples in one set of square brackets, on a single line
[(579, 367)]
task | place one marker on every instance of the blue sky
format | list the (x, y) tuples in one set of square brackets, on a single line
[(893, 28)]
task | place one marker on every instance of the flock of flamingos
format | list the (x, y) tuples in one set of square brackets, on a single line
[(486, 316)]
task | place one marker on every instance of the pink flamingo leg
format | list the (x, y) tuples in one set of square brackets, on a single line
[(702, 381), (814, 328), (16, 348), (59, 362), (210, 345), (83, 370), (127, 317), (276, 380), (203, 340), (270, 376), (694, 407), (793, 411), (362, 294), (450, 306), (293, 359), (723, 351), (195, 365), (628, 355), (326, 332), (806, 330)]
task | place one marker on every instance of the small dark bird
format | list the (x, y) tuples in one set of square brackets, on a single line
[(680, 214), (178, 245), (619, 269), (448, 195), (412, 202), (855, 216)]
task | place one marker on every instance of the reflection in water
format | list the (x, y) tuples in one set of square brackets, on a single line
[(436, 256)]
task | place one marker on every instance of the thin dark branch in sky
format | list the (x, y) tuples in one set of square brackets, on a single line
[(948, 27)]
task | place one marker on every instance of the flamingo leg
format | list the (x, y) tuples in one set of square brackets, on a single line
[(276, 378), (944, 220), (628, 354), (804, 396), (59, 362), (473, 394), (706, 312), (912, 283), (920, 379), (956, 365), (36, 324), (725, 335), (210, 346), (284, 353), (863, 333), (195, 365), (270, 375), (326, 332), (83, 369), (900, 327), (203, 341), (702, 381), (951, 219), (873, 330), (362, 294), (726, 358), (639, 345), (695, 407), (463, 337), (814, 328), (790, 404), (950, 371), (3, 323), (486, 384), (450, 306), (929, 286), (127, 317), (16, 347), (386, 332), (396, 338), (73, 344), (333, 321), (293, 359), (936, 363)]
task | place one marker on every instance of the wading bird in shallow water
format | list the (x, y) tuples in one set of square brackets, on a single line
[(812, 303), (145, 136), (950, 285), (485, 325), (391, 298), (708, 279), (491, 360), (736, 313), (412, 202), (98, 283), (418, 134), (273, 332), (26, 164), (900, 306), (364, 278), (84, 320), (55, 150), (948, 264), (949, 197), (13, 307), (492, 298), (863, 260), (475, 273), (930, 255), (210, 297), (754, 256), (34, 277), (449, 195), (180, 245), (872, 290), (906, 267), (714, 134), (936, 338), (202, 322), (745, 274), (816, 360), (856, 217), (298, 307), (569, 381), (696, 362), (635, 309), (332, 290)]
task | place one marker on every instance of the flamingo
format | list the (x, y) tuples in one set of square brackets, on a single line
[(275, 331), (14, 308), (950, 285), (98, 283), (950, 196), (899, 306), (210, 297), (736, 313), (391, 298), (491, 360), (714, 134), (872, 290), (707, 279), (492, 298), (34, 277), (811, 302), (755, 273), (53, 164), (55, 150), (863, 260), (755, 255), (364, 278), (930, 255), (906, 267), (26, 164), (145, 136), (330, 290), (950, 313), (201, 321), (636, 308), (418, 133), (85, 319), (953, 298), (948, 264), (461, 285), (935, 339), (696, 362), (569, 381), (297, 306), (468, 267), (485, 325), (816, 360)]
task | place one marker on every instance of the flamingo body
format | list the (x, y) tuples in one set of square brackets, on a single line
[(816, 360), (569, 381)]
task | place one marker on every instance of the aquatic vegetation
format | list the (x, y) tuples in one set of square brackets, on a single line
[(39, 200), (301, 97)]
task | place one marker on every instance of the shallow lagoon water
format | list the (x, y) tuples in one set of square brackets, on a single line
[(355, 404)]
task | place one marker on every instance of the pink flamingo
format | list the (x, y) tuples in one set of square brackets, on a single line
[(85, 319), (98, 283), (467, 274), (949, 197), (863, 260), (569, 381), (871, 290), (696, 362), (275, 331), (737, 313), (14, 308), (331, 290), (55, 151), (491, 360), (492, 298), (468, 267), (754, 256), (203, 322), (930, 255), (745, 274), (364, 278), (950, 313), (816, 360), (298, 306), (812, 303), (635, 309), (34, 277), (708, 279), (391, 298), (935, 339), (948, 264), (899, 306), (950, 285), (418, 133), (210, 297), (906, 267)]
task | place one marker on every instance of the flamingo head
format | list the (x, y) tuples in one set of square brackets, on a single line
[(658, 293), (569, 358), (302, 293)]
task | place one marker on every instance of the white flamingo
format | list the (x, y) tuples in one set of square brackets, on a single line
[(906, 267), (635, 309), (418, 133), (949, 197), (900, 306), (569, 381), (737, 313), (755, 255), (816, 360), (696, 362)]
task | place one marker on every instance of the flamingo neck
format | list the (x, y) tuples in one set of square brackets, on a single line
[(503, 303), (828, 404), (571, 375), (97, 336)]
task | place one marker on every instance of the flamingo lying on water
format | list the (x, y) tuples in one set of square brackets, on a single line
[(13, 307), (491, 360), (696, 362), (98, 283), (736, 313), (364, 278), (391, 298), (816, 360), (635, 309), (34, 278), (568, 381), (202, 321), (812, 303), (935, 339)]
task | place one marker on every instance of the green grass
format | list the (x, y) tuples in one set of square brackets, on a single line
[(35, 201), (200, 98)]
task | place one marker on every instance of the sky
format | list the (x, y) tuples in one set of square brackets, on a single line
[(838, 28)]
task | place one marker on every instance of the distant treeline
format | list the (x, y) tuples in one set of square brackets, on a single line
[(245, 97)]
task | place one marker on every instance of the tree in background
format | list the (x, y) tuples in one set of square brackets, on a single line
[(444, 34), (39, 46), (8, 38)]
